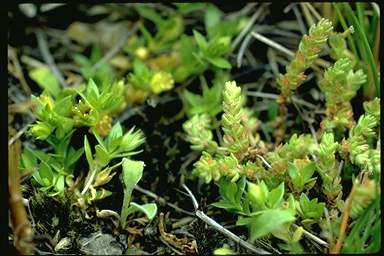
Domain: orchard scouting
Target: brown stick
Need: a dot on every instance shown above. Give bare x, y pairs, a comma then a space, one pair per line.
21, 227
344, 222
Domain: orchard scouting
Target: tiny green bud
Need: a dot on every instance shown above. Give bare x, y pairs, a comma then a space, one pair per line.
41, 130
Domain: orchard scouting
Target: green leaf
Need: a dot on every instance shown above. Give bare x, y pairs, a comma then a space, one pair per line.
365, 234
148, 209
257, 193
266, 222
59, 186
114, 133
227, 205
185, 8
364, 47
99, 139
132, 173
131, 140
46, 174
41, 130
212, 17
200, 40
102, 156
63, 107
310, 209
220, 62
149, 13
273, 110
240, 189
73, 156
28, 159
92, 92
44, 77
276, 196
308, 171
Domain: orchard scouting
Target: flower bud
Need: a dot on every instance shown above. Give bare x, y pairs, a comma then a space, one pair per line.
142, 53
161, 81
41, 130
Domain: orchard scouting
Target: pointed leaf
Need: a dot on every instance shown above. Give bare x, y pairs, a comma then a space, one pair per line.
220, 62
200, 40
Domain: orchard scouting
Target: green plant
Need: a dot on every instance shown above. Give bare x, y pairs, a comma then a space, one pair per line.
51, 170
364, 43
339, 86
59, 117
328, 168
104, 72
115, 145
309, 210
132, 173
148, 80
209, 102
172, 56
199, 133
60, 112
362, 151
280, 179
365, 236
308, 51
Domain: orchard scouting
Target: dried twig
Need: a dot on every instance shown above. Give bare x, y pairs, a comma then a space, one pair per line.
307, 15
113, 51
47, 56
21, 227
313, 237
275, 96
313, 10
286, 51
245, 30
264, 161
170, 247
272, 44
161, 200
344, 222
18, 134
299, 19
243, 12
242, 49
201, 215
17, 70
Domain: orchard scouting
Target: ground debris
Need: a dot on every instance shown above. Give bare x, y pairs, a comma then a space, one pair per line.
187, 246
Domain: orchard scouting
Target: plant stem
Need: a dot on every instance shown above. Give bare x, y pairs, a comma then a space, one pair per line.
344, 222
22, 230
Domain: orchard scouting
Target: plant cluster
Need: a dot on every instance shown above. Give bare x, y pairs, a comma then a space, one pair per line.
60, 114
301, 191
271, 188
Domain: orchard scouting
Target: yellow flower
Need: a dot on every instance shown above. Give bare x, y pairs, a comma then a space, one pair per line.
142, 53
161, 81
